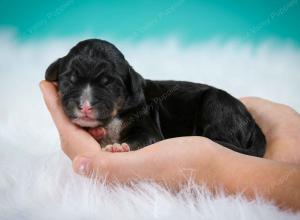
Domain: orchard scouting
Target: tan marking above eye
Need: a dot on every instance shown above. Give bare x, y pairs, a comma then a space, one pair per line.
73, 78
104, 80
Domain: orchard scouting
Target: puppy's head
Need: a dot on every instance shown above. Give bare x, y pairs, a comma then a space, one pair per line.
95, 83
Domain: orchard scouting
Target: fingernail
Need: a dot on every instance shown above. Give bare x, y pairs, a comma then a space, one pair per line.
82, 165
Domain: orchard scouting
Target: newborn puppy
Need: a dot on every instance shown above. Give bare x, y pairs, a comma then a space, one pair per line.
99, 88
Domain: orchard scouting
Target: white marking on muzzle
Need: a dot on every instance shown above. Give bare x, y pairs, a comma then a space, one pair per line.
86, 96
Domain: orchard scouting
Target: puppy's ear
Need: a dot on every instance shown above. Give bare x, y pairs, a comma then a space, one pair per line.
136, 81
52, 71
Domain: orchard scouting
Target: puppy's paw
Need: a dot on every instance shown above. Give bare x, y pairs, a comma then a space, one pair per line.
117, 148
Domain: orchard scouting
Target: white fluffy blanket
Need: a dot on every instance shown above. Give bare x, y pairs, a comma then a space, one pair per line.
36, 180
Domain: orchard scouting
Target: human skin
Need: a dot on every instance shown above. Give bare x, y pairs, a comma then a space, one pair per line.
173, 162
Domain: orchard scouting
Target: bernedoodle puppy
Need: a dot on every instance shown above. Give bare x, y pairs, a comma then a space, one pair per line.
99, 88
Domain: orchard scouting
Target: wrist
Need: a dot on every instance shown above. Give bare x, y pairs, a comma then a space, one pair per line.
206, 163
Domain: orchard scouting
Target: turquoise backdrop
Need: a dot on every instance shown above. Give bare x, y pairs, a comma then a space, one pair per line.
188, 20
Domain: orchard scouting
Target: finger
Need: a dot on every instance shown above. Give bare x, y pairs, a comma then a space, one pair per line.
123, 167
154, 162
254, 104
97, 133
281, 126
53, 103
106, 165
253, 100
135, 164
270, 115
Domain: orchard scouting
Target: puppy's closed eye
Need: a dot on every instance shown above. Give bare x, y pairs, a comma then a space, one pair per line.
104, 80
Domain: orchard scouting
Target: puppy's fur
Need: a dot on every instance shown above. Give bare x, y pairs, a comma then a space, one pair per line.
140, 111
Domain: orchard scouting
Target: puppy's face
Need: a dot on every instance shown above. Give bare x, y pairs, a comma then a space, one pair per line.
95, 82
92, 92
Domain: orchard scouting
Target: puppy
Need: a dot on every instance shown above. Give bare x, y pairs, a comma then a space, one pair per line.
99, 88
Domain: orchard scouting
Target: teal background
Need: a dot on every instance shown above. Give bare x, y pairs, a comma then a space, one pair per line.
188, 20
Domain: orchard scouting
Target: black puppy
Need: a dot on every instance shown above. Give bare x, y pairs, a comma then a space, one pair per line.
99, 88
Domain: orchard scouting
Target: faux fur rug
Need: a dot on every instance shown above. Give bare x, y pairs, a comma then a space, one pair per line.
36, 179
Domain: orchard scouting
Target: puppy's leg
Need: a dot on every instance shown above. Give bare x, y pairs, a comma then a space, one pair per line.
124, 147
141, 133
224, 119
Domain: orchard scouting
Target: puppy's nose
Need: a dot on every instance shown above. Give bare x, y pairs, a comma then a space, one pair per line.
86, 108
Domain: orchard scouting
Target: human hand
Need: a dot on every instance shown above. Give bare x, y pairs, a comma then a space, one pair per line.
173, 162
281, 126
74, 140
165, 161
148, 162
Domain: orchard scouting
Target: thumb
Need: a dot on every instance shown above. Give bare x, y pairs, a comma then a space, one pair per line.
122, 167
92, 165
81, 165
